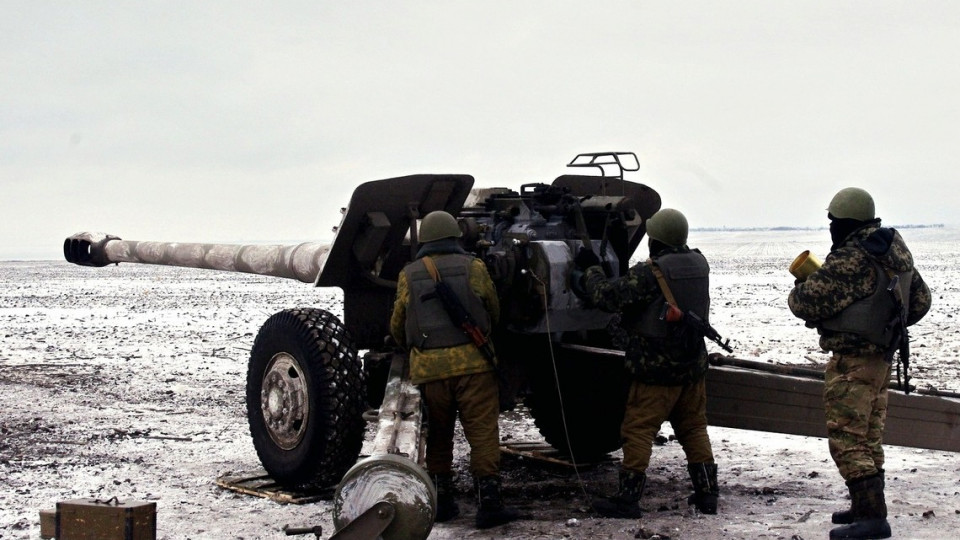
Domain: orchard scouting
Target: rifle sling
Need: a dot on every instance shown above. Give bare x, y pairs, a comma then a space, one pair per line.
431, 268
662, 281
435, 274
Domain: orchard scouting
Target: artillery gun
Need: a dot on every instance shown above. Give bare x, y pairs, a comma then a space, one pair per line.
308, 386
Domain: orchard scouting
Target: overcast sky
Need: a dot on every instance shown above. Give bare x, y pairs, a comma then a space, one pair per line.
235, 121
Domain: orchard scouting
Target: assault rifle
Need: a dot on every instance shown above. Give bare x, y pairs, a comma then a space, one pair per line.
462, 318
691, 320
897, 327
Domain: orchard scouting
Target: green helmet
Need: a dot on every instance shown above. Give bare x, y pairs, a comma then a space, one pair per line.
438, 225
852, 203
668, 226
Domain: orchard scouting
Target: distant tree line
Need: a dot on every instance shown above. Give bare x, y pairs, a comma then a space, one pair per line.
788, 228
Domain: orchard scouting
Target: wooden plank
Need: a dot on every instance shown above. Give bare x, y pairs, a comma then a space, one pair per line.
748, 399
259, 484
541, 451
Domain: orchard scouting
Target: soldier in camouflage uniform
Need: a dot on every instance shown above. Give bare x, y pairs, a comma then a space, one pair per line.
667, 362
453, 375
847, 301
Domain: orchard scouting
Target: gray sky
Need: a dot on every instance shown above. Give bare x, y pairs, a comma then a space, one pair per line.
235, 121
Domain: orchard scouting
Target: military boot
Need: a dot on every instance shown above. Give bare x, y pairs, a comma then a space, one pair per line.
869, 510
705, 488
626, 503
490, 509
845, 517
447, 508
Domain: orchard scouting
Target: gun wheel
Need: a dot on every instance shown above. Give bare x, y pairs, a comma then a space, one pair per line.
594, 392
305, 398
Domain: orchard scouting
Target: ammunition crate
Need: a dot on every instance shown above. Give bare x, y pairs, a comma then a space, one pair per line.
48, 524
93, 519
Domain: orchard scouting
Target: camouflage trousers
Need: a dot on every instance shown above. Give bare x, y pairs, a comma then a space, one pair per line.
475, 398
649, 406
855, 401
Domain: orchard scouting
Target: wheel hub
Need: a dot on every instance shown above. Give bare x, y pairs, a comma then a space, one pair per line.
284, 400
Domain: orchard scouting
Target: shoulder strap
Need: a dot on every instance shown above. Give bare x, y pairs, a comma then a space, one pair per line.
662, 281
431, 268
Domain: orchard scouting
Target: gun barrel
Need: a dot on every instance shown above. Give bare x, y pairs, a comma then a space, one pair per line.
302, 262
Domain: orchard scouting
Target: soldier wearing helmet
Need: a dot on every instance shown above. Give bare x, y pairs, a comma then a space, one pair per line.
849, 301
454, 376
668, 364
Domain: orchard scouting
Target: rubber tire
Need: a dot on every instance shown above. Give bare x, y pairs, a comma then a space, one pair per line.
335, 391
594, 397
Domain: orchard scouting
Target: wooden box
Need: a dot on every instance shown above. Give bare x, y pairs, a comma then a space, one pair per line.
48, 524
93, 519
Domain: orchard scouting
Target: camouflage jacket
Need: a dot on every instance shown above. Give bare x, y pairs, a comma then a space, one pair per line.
435, 364
663, 362
849, 274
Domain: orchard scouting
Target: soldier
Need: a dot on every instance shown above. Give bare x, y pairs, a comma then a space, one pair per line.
453, 375
847, 301
667, 362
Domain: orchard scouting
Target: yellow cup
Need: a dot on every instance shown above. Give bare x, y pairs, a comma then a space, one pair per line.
805, 264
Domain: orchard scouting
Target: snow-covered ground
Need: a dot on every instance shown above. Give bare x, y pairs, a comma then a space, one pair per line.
128, 381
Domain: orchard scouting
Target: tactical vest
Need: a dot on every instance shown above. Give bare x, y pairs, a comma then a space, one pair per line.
687, 276
869, 316
428, 324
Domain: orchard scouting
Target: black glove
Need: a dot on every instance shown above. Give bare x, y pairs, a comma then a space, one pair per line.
585, 259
